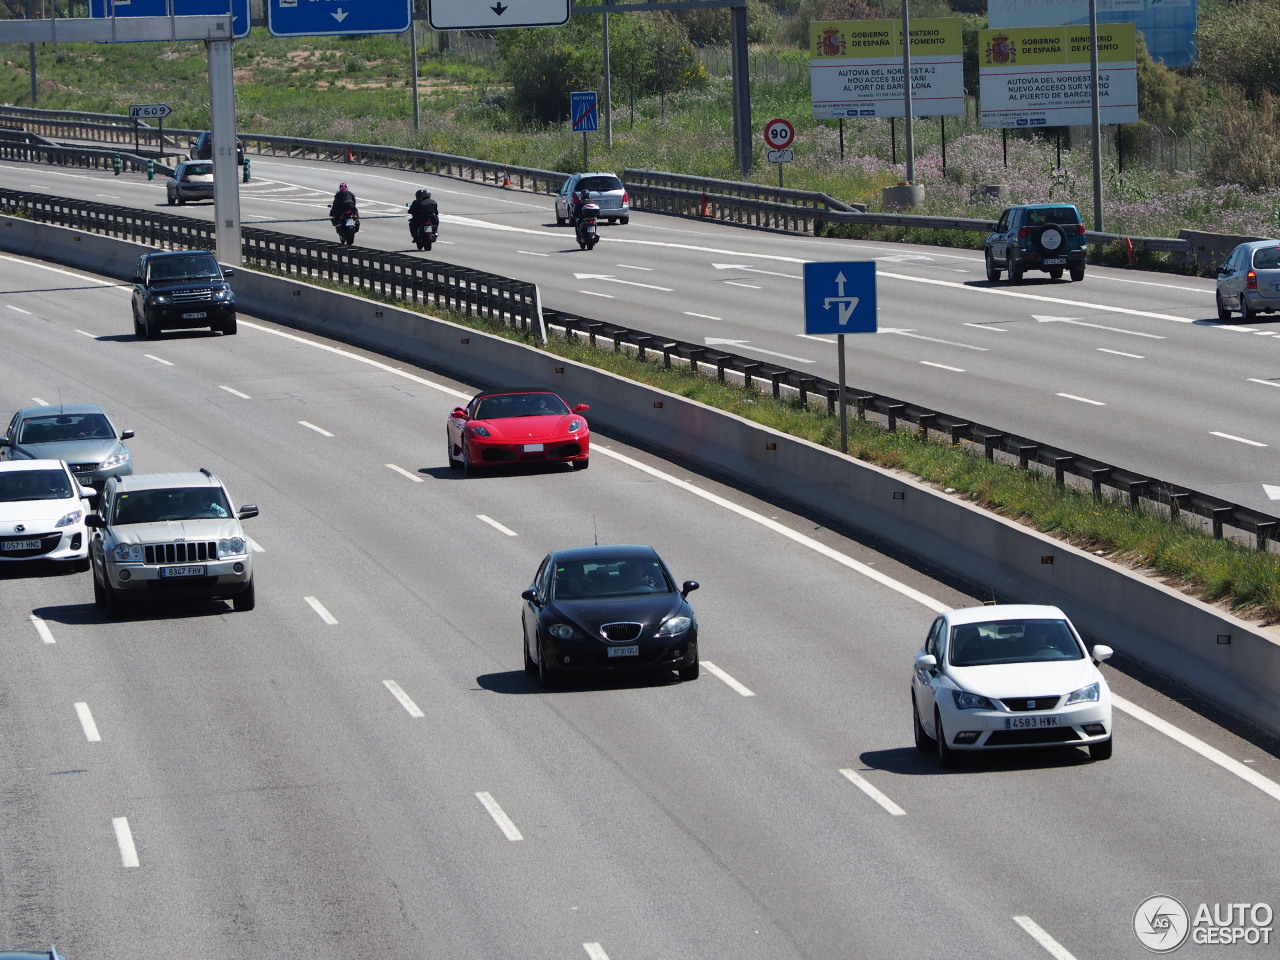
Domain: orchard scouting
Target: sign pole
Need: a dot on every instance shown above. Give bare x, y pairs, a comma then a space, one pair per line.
844, 409
780, 176
161, 123
585, 167
136, 148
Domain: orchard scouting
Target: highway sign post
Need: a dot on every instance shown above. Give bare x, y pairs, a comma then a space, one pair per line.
496, 14
583, 113
239, 10
840, 298
327, 18
778, 135
148, 111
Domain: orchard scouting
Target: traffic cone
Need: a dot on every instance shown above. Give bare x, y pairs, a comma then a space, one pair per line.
705, 212
506, 177
350, 158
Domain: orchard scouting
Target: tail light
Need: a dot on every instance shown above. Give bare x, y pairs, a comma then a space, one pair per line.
185, 180
1251, 280
625, 199
1022, 232
574, 196
1080, 229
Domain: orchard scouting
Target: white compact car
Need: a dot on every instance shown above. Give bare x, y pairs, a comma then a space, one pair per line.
1005, 677
42, 511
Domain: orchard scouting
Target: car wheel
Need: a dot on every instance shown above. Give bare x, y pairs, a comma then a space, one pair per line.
79, 566
624, 220
529, 666
946, 756
172, 201
582, 464
547, 678
99, 595
229, 327
182, 201
690, 672
245, 600
924, 742
1247, 313
467, 469
1055, 273
993, 272
560, 221
1101, 751
111, 603
1077, 274
1223, 313
152, 330
1015, 273
137, 324
454, 462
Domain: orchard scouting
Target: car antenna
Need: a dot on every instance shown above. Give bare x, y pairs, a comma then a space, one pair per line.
595, 533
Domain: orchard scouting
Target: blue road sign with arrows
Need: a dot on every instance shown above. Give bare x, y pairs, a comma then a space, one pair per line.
239, 10
316, 18
582, 108
840, 297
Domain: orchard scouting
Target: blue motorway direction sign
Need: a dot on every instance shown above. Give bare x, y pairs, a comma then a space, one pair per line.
582, 108
840, 297
239, 10
314, 18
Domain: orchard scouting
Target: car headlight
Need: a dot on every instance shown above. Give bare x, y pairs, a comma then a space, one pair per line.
674, 627
115, 460
231, 547
72, 517
561, 631
159, 298
128, 552
222, 295
575, 426
971, 701
478, 431
1090, 694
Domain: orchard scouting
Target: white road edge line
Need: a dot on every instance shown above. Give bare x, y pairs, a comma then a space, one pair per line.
593, 293
404, 473
234, 392
988, 326
853, 777
595, 951
318, 607
1265, 383
533, 253
86, 722
42, 628
1072, 396
405, 700
124, 840
1121, 353
86, 333
701, 316
1227, 436
810, 336
734, 685
311, 426
152, 356
942, 366
499, 816
18, 309
1055, 949
496, 525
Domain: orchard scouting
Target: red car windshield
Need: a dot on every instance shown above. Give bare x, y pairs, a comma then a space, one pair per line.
520, 405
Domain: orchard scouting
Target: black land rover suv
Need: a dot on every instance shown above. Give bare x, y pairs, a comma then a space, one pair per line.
181, 289
1041, 236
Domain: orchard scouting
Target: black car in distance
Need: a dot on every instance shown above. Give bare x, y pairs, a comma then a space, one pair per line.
182, 289
608, 608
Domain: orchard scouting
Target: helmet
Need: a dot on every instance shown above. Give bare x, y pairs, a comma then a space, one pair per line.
342, 186
423, 194
585, 194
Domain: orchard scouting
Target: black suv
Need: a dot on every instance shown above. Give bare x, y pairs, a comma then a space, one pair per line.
202, 147
181, 289
1040, 236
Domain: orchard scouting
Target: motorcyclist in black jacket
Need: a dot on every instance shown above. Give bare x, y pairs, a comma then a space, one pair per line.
423, 210
343, 201
583, 199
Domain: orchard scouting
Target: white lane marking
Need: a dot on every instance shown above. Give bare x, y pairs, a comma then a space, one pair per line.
769, 273
38, 402
843, 559
1227, 436
734, 685
105, 284
532, 253
404, 473
318, 607
1055, 949
1072, 396
920, 336
405, 700
86, 333
496, 525
112, 196
746, 345
631, 266
1075, 321
991, 327
611, 279
18, 309
42, 628
152, 356
942, 366
257, 547
595, 951
234, 392
700, 316
124, 840
1265, 383
1196, 745
735, 283
1234, 328
594, 293
499, 816
86, 722
873, 793
312, 426
1121, 353
810, 336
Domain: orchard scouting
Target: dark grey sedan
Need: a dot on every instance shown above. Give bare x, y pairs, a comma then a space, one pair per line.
79, 433
1249, 281
191, 180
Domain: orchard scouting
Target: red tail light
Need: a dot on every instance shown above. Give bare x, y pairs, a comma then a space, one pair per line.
1080, 229
1251, 280
186, 180
1022, 232
625, 201
574, 196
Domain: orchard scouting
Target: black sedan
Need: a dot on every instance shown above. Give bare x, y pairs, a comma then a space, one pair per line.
606, 608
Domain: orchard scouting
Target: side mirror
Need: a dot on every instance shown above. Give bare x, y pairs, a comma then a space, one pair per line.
126, 434
137, 278
5, 442
926, 662
87, 492
228, 273
581, 408
532, 596
94, 521
1101, 652
458, 413
248, 511
688, 587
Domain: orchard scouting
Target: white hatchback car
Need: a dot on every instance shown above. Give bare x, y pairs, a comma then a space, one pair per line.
42, 511
1009, 676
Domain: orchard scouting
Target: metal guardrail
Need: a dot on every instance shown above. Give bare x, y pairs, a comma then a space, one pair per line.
515, 303
30, 148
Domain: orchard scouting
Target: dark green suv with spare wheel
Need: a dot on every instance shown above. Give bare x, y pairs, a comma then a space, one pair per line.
1039, 236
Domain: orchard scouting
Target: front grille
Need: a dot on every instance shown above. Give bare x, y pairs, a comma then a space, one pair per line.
565, 450
83, 467
192, 296
1014, 738
184, 552
621, 632
48, 543
1022, 704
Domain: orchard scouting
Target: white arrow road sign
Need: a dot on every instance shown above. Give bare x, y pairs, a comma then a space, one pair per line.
920, 336
745, 269
743, 345
1095, 326
491, 14
629, 283
339, 15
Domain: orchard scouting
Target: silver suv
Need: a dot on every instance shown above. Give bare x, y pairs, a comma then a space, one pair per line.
169, 535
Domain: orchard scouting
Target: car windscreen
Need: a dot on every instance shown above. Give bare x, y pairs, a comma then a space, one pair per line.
1039, 216
1012, 641
63, 427
520, 405
177, 269
176, 503
630, 577
592, 184
1267, 258
199, 170
19, 485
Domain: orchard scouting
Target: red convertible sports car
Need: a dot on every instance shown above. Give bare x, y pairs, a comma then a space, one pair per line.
517, 426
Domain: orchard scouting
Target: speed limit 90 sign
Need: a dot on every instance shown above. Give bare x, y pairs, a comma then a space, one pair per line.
778, 134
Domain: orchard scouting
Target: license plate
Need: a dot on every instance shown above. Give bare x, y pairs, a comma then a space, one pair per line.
193, 571
20, 545
532, 448
1029, 723
1054, 261
195, 316
84, 479
624, 651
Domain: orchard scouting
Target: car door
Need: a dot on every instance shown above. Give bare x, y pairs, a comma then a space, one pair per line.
1230, 281
6, 452
924, 683
563, 205
139, 289
529, 614
1000, 237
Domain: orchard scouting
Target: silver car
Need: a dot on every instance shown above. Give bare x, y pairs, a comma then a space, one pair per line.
191, 180
605, 189
79, 433
1249, 280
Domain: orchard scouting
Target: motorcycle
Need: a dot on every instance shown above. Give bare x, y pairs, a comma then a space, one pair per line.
585, 226
348, 225
424, 234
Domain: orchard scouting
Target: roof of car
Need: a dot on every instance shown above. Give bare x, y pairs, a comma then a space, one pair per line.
603, 551
56, 408
1005, 611
167, 254
158, 481
50, 954
1258, 244
511, 391
15, 466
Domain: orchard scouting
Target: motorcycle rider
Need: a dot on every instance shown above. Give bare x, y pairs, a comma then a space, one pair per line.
343, 201
583, 199
423, 210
